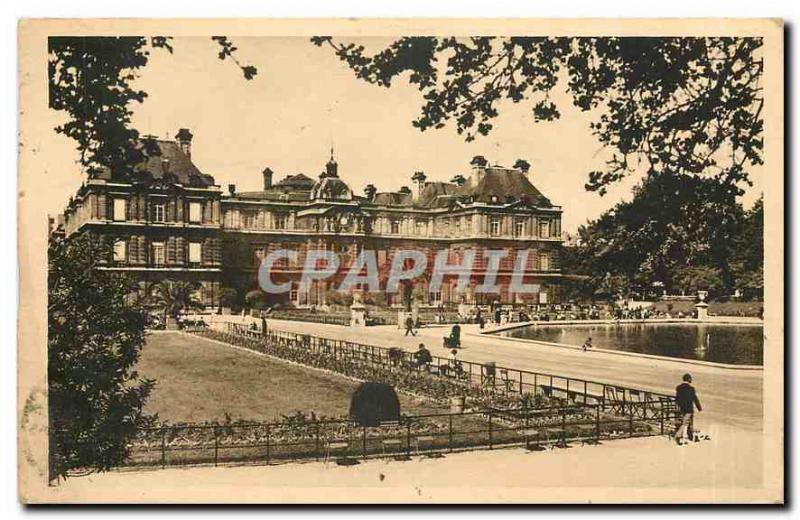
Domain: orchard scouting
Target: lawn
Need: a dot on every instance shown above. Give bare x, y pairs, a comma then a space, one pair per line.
199, 380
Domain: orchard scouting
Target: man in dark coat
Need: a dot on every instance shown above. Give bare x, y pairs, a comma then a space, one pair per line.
686, 398
410, 326
423, 356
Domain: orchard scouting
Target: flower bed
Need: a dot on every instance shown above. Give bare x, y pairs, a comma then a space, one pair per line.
403, 378
493, 416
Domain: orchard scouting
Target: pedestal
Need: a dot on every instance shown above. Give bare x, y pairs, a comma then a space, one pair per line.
358, 315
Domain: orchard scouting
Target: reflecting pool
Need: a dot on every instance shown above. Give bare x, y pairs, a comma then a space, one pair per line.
733, 344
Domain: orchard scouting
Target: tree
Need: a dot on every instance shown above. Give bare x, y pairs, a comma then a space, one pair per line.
175, 297
479, 161
692, 279
256, 299
90, 80
459, 180
522, 165
95, 336
228, 296
680, 104
672, 222
747, 263
370, 190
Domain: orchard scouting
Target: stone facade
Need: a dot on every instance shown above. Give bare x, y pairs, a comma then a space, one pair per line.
175, 223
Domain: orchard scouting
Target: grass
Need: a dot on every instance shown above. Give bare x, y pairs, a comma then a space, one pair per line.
198, 380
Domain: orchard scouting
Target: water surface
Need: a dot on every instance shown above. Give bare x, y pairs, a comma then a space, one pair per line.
733, 344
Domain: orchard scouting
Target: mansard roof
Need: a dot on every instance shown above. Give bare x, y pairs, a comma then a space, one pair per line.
490, 185
502, 183
299, 181
164, 159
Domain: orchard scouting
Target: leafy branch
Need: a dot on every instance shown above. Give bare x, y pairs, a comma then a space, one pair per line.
680, 105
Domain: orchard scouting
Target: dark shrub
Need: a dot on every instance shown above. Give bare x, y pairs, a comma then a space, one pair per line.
373, 403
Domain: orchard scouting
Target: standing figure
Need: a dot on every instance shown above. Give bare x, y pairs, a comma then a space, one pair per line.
686, 398
410, 326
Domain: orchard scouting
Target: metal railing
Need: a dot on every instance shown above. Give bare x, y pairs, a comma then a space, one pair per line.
492, 378
270, 443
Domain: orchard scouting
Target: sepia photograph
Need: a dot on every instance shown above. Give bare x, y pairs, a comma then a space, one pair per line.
401, 261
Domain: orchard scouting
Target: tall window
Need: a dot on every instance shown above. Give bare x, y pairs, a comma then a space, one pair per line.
157, 212
494, 226
157, 253
395, 227
120, 209
519, 227
544, 261
249, 219
544, 229
119, 251
280, 221
195, 212
194, 252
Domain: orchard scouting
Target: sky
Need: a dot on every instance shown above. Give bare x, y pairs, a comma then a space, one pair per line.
304, 101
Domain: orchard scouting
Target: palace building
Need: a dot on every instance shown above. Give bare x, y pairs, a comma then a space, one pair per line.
174, 222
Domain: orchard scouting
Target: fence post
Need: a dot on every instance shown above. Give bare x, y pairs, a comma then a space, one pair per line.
268, 446
316, 442
597, 420
408, 439
216, 446
630, 419
450, 435
163, 447
490, 429
585, 392
521, 391
364, 443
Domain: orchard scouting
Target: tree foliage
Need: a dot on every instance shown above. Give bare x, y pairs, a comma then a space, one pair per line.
174, 297
95, 336
682, 105
686, 232
92, 81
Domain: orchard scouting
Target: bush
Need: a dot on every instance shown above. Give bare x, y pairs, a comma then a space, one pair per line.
373, 403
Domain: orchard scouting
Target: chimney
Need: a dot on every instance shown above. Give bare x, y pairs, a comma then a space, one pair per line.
478, 173
184, 139
267, 173
232, 189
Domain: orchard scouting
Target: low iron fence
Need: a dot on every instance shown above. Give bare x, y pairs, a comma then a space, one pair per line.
489, 378
271, 443
562, 411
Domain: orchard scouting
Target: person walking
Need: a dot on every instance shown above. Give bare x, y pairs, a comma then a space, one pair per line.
686, 398
410, 326
587, 344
